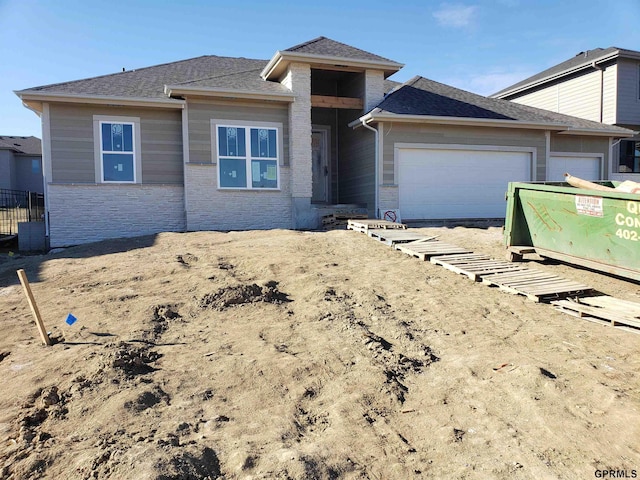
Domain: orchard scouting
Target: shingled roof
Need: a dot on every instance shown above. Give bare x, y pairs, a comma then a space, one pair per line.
149, 82
328, 47
581, 60
23, 145
421, 96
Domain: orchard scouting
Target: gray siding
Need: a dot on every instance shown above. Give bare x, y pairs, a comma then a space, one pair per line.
356, 171
201, 112
26, 177
72, 145
458, 135
7, 170
628, 107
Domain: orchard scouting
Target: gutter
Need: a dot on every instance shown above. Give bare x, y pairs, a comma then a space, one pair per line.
100, 99
170, 90
376, 165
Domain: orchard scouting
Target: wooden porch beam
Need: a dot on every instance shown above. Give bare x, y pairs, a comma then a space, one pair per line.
326, 101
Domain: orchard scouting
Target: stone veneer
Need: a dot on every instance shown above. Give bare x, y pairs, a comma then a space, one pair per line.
209, 208
373, 88
298, 80
89, 213
388, 197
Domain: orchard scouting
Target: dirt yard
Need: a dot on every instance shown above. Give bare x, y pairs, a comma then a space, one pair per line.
299, 355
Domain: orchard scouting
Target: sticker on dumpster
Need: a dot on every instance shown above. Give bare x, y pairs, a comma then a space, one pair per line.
591, 206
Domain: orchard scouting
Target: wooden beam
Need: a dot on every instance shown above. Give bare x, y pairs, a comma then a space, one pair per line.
34, 307
326, 101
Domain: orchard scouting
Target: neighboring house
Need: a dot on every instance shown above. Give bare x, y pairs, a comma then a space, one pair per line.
21, 163
602, 85
218, 143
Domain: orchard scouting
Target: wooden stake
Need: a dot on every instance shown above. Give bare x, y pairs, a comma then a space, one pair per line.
34, 308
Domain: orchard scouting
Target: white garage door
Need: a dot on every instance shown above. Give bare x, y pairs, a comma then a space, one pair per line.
437, 183
585, 167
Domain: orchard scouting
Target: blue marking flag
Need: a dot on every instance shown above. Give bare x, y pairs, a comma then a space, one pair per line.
71, 319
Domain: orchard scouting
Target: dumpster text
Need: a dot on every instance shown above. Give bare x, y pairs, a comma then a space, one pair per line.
630, 222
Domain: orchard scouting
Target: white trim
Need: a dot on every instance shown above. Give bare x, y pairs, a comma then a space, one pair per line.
547, 153
47, 169
597, 133
101, 100
445, 146
98, 120
228, 93
215, 123
599, 156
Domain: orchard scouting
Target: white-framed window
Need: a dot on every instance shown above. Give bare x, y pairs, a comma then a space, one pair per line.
117, 149
248, 157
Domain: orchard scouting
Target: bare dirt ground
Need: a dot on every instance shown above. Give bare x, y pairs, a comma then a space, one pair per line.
299, 355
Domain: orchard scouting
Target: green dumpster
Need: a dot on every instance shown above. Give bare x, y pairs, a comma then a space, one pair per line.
592, 228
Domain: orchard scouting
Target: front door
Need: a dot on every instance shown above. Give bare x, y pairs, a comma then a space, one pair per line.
320, 166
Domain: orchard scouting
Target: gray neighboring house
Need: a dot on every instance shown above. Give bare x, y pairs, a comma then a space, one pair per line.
219, 143
21, 163
603, 85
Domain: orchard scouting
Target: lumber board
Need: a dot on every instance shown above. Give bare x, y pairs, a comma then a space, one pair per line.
391, 237
425, 250
365, 225
582, 309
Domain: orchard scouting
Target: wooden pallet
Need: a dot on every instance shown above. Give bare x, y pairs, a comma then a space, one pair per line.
365, 225
474, 265
393, 237
535, 284
334, 220
603, 309
427, 249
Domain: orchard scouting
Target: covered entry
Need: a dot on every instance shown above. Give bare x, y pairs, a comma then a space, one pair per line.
458, 182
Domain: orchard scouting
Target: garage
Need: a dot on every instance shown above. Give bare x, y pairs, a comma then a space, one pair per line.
458, 183
585, 166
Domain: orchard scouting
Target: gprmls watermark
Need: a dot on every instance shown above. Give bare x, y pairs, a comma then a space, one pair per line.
613, 473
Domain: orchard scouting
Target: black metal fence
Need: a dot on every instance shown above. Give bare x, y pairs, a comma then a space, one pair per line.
19, 206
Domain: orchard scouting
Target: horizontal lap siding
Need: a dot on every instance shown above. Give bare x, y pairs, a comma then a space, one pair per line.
356, 172
457, 135
628, 92
72, 150
201, 113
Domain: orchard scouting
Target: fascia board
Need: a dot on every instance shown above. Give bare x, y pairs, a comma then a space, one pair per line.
284, 57
465, 121
555, 76
99, 99
228, 93
599, 133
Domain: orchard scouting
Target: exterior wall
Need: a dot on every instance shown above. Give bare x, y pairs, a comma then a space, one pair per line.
7, 170
578, 96
201, 111
89, 213
26, 178
72, 143
357, 163
459, 135
388, 197
583, 144
212, 209
628, 92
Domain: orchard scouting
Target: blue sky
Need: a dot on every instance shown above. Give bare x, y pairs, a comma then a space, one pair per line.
481, 46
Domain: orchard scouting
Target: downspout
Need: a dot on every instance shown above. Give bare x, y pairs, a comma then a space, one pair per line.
376, 186
597, 67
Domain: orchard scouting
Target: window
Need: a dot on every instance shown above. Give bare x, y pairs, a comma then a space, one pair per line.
247, 157
629, 157
35, 166
117, 152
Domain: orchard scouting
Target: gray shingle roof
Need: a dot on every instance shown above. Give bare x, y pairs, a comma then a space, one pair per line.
326, 46
24, 145
249, 80
149, 82
421, 96
583, 58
